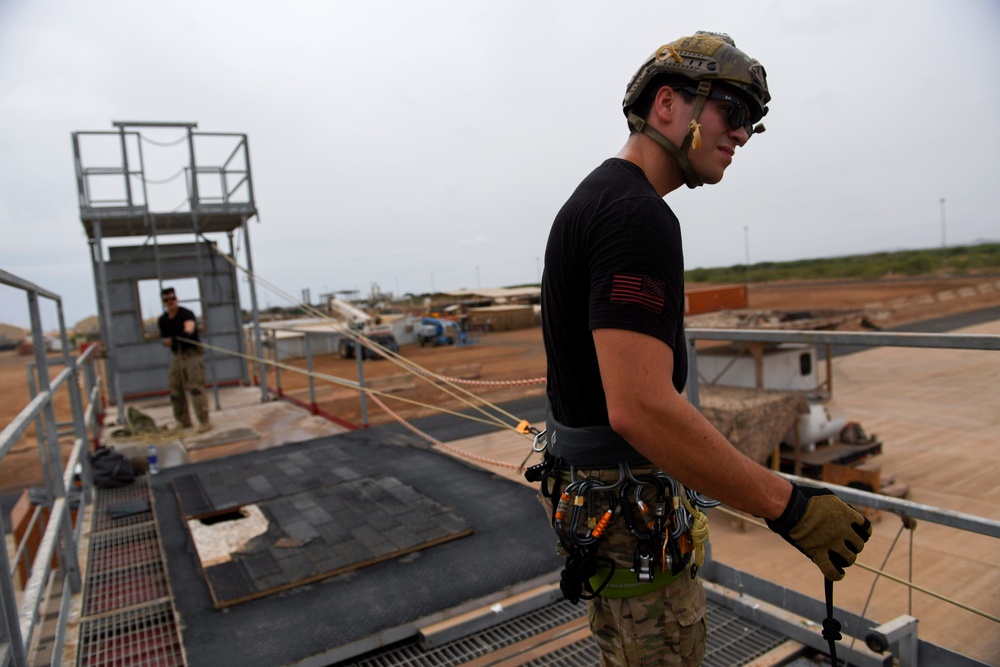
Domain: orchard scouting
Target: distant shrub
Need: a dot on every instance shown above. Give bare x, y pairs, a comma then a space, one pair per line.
958, 259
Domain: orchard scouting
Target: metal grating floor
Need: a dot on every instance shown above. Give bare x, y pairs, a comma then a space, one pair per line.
103, 498
124, 587
128, 618
732, 641
410, 654
125, 547
139, 637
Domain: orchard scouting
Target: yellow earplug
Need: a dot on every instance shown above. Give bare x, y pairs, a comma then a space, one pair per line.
695, 129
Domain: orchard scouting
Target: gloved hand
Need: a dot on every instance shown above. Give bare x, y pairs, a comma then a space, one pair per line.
823, 527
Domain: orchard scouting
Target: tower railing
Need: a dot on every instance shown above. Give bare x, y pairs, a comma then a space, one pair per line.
61, 536
892, 642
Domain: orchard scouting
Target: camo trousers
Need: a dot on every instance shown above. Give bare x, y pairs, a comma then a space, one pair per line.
187, 376
662, 628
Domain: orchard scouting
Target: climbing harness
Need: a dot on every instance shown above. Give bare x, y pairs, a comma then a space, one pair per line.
661, 517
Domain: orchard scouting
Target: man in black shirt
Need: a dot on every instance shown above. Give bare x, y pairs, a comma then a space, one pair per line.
612, 315
179, 331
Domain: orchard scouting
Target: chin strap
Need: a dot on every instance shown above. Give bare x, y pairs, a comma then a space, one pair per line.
692, 140
831, 626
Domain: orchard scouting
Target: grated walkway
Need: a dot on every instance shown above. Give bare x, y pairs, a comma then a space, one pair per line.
128, 618
732, 641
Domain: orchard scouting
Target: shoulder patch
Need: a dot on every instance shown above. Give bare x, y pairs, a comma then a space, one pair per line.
640, 290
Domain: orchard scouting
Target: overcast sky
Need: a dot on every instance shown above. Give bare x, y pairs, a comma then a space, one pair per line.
422, 145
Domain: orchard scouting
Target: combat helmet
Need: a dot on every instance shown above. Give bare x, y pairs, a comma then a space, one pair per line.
716, 69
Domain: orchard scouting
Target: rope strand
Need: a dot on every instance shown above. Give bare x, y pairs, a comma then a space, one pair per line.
882, 573
449, 388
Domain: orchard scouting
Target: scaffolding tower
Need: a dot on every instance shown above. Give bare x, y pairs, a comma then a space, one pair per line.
210, 177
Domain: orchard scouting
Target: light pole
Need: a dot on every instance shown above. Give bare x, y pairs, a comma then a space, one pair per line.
746, 250
944, 244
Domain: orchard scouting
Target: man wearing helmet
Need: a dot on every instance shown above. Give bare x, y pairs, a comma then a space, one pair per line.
612, 312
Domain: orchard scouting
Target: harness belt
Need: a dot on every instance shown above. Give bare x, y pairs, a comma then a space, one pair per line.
589, 446
624, 585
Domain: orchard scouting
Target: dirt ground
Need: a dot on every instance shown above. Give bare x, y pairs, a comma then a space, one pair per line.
513, 356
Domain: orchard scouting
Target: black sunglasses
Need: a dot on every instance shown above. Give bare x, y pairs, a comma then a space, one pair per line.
737, 114
169, 298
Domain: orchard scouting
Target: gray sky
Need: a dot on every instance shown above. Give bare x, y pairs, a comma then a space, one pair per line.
395, 141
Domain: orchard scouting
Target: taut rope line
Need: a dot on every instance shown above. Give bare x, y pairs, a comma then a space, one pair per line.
350, 385
399, 360
881, 573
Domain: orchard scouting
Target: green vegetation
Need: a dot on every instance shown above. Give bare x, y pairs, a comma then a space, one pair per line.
960, 260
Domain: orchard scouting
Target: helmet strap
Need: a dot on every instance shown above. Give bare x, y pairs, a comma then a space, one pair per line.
679, 154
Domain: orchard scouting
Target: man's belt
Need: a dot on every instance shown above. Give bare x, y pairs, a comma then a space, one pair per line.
589, 446
623, 582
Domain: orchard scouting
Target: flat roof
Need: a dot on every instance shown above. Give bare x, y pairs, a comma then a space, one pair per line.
511, 545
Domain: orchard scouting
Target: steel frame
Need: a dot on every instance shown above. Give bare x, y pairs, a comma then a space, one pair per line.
130, 215
61, 537
785, 607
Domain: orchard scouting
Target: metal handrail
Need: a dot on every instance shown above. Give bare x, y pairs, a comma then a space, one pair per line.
901, 632
60, 538
828, 338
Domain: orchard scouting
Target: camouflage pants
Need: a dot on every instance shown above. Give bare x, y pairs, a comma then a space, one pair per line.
187, 376
665, 627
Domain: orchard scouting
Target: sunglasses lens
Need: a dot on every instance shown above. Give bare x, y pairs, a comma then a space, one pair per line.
738, 116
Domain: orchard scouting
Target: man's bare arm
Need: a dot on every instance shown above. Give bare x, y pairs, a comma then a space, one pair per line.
645, 409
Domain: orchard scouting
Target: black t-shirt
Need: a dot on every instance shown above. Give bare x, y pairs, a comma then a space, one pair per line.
613, 261
173, 327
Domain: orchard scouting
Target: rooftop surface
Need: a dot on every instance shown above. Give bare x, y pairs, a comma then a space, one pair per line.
933, 408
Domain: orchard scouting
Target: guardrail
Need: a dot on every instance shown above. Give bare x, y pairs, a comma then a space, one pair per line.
61, 537
895, 642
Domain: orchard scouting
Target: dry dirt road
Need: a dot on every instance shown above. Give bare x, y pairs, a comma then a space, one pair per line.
518, 356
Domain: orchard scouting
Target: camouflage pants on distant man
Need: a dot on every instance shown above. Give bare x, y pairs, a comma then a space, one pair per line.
187, 377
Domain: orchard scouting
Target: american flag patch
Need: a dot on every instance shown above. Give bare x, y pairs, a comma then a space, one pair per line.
640, 290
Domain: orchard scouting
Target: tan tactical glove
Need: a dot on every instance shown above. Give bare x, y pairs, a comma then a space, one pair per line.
823, 527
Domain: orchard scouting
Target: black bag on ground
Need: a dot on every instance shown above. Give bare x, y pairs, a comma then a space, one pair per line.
110, 468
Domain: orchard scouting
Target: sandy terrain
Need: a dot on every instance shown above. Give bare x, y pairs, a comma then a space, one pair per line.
518, 355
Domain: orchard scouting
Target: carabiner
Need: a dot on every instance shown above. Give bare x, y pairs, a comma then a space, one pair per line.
534, 443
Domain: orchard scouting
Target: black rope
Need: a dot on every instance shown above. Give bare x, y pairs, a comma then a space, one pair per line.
831, 626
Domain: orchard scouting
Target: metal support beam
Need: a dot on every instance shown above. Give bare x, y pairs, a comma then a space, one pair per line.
804, 629
107, 333
11, 643
255, 312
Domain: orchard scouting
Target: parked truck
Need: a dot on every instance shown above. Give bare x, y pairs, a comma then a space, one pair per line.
360, 322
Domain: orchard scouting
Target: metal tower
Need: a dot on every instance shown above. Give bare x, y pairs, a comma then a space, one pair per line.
212, 181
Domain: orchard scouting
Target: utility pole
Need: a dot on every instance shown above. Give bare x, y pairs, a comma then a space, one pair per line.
746, 250
944, 243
